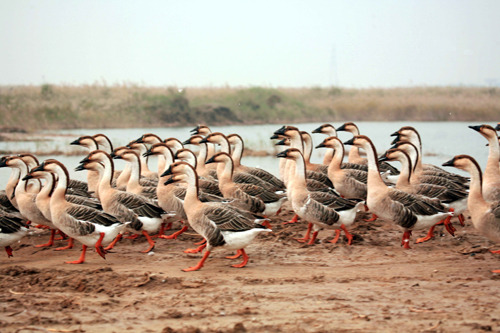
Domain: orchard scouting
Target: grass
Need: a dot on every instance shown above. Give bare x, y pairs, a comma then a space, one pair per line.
125, 106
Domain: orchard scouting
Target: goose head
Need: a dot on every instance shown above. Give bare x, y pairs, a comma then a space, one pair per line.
331, 142
194, 140
30, 160
98, 156
464, 162
128, 155
407, 133
220, 158
159, 148
174, 144
87, 142
216, 138
93, 166
149, 138
327, 129
485, 130
288, 131
349, 127
234, 139
104, 143
291, 154
186, 155
14, 162
182, 171
284, 142
201, 129
53, 166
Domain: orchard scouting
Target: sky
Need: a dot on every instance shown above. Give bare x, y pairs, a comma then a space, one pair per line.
352, 43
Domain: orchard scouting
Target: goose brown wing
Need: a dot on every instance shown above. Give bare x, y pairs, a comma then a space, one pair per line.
209, 186
417, 205
320, 212
10, 224
384, 167
262, 194
347, 165
267, 177
246, 178
77, 184
148, 182
253, 204
87, 214
436, 180
77, 200
149, 192
226, 218
495, 209
320, 177
140, 205
332, 201
5, 203
359, 175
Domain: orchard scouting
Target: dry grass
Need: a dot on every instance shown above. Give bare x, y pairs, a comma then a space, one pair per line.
122, 106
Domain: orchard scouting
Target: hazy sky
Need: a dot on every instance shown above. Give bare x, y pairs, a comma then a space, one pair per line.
241, 43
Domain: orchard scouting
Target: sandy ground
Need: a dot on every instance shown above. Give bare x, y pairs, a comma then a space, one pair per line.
444, 285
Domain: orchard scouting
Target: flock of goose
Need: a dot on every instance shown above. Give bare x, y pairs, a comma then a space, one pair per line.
229, 204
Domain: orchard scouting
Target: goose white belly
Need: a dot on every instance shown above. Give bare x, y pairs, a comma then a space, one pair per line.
150, 225
348, 216
110, 234
273, 207
8, 239
459, 206
240, 240
427, 221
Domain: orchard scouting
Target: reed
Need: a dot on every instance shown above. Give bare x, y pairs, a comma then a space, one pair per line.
130, 105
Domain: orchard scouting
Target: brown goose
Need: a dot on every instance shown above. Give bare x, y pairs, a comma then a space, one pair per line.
140, 149
201, 169
220, 224
329, 130
91, 144
204, 131
406, 210
12, 229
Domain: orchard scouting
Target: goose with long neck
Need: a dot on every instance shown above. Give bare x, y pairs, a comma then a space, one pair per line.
201, 168
31, 161
321, 210
239, 147
329, 131
12, 229
91, 144
246, 196
27, 200
491, 176
89, 226
206, 185
485, 215
406, 210
349, 183
284, 141
174, 144
408, 133
238, 176
133, 184
144, 215
140, 149
10, 188
308, 150
204, 131
151, 139
220, 224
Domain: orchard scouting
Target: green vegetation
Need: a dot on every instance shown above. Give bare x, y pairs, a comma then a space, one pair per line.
121, 106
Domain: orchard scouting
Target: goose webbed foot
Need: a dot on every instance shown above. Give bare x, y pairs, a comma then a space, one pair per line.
175, 234
113, 243
8, 249
495, 252
313, 238
200, 263
67, 247
197, 250
461, 219
497, 271
51, 240
150, 241
405, 243
41, 226
307, 235
131, 236
347, 234
82, 257
266, 224
245, 259
295, 219
373, 218
98, 246
429, 236
163, 228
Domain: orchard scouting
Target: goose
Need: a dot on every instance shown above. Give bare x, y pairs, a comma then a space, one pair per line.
321, 210
204, 131
133, 184
349, 183
151, 139
355, 157
408, 133
404, 209
12, 229
121, 182
239, 177
91, 144
432, 191
485, 215
308, 150
26, 200
246, 196
143, 214
491, 176
89, 226
220, 224
140, 149
239, 148
6, 206
206, 185
284, 141
201, 169
329, 130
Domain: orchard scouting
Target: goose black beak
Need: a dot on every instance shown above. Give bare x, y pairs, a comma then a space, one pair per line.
25, 178
204, 140
275, 136
187, 142
318, 130
497, 127
168, 172
176, 156
350, 142
85, 160
195, 130
139, 140
393, 134
147, 153
76, 142
117, 157
281, 131
3, 163
282, 154
169, 181
450, 162
280, 143
382, 158
476, 128
80, 168
40, 167
321, 145
341, 128
396, 140
211, 160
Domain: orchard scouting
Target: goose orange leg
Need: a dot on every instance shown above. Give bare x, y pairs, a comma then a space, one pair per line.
278, 212
373, 218
198, 249
163, 228
8, 249
496, 271
51, 240
266, 223
98, 246
495, 252
63, 236
175, 234
336, 238
347, 234
406, 240
131, 237
245, 259
313, 238
150, 241
461, 219
113, 243
82, 257
67, 247
430, 234
199, 265
447, 224
295, 219
306, 237
237, 255
201, 242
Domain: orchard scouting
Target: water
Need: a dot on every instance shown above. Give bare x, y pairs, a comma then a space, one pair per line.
441, 141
